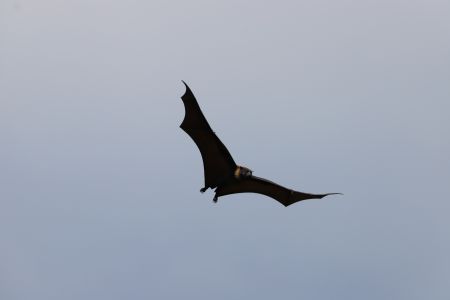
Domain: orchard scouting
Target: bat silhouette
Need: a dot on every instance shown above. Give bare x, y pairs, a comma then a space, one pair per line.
221, 172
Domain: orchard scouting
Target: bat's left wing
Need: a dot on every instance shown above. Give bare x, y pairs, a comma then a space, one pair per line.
263, 186
218, 164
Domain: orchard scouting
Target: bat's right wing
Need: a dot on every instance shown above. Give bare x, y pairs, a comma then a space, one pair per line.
217, 161
259, 185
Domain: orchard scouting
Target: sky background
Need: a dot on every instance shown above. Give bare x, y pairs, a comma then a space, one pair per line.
99, 187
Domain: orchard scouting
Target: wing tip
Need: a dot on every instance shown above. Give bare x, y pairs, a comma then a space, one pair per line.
329, 194
188, 90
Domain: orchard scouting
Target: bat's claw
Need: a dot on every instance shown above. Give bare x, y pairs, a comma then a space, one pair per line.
215, 199
202, 190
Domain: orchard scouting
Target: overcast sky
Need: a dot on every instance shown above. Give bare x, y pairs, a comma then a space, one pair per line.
99, 187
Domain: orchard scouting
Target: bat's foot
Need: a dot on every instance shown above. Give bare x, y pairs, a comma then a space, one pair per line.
215, 199
202, 190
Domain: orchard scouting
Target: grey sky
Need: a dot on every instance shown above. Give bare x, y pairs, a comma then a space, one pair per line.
99, 188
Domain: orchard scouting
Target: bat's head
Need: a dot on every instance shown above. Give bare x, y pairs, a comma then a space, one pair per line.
242, 172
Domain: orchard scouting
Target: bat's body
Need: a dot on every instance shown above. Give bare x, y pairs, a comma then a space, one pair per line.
221, 172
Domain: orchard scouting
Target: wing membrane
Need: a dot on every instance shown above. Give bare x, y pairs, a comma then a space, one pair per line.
263, 186
218, 163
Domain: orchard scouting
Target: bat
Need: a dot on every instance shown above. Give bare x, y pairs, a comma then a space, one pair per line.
220, 171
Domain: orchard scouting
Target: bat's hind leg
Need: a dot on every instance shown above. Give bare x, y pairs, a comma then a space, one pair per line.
202, 190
